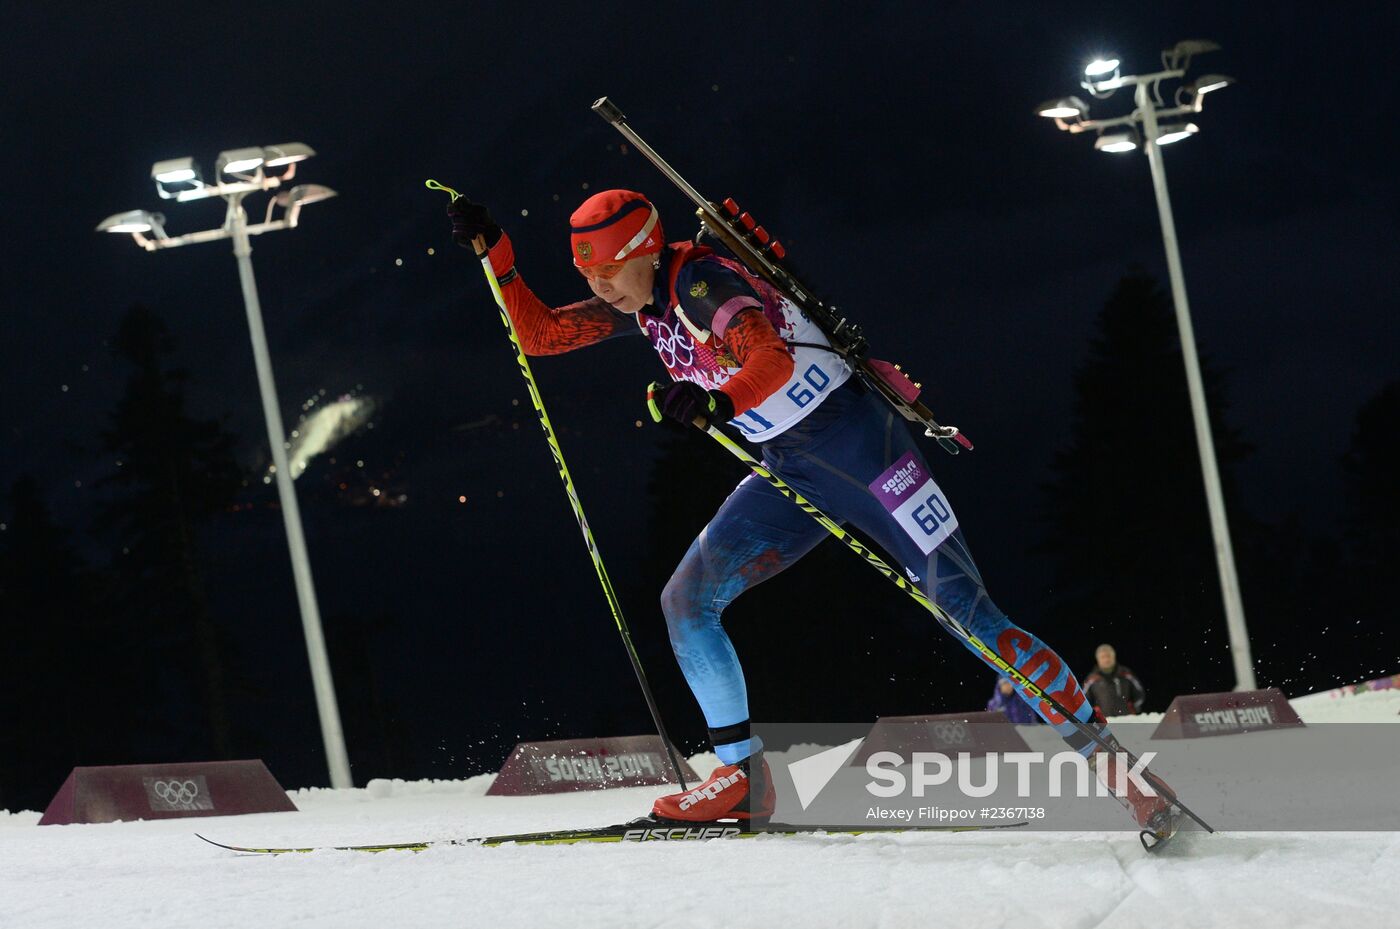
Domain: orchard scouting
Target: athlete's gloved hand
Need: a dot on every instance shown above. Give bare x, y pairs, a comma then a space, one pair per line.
469, 220
684, 401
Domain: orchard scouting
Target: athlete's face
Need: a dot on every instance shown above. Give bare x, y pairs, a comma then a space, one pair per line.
1107, 657
629, 289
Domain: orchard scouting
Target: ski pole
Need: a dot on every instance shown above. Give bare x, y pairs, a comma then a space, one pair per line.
944, 619
479, 245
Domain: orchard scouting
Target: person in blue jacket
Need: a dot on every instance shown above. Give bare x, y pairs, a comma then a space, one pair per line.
1006, 700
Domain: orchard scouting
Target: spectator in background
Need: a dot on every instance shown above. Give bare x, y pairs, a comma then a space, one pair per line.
1112, 687
1005, 699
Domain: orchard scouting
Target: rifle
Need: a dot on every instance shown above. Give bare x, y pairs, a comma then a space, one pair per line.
765, 256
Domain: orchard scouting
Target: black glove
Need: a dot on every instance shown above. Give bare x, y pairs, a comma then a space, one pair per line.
684, 401
470, 220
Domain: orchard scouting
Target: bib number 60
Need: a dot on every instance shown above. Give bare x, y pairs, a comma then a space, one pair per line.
931, 514
816, 379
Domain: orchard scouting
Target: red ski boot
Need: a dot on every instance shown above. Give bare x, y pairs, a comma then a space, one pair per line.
742, 791
1153, 814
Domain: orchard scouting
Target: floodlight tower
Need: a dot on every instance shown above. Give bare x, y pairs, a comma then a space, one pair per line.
237, 174
1143, 127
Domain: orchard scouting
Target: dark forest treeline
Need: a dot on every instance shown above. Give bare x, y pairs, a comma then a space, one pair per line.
1129, 535
140, 656
126, 660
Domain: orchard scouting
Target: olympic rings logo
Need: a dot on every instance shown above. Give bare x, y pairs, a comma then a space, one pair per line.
950, 733
176, 793
673, 345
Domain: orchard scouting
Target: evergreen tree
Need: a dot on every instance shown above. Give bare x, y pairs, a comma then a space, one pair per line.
376, 730
174, 474
48, 721
1372, 465
1129, 532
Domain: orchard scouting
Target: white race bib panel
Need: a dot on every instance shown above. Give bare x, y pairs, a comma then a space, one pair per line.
915, 502
817, 371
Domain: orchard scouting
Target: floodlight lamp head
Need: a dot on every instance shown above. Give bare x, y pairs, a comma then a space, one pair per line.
1179, 56
1204, 85
286, 153
1102, 68
1190, 47
1116, 142
239, 161
1063, 108
299, 196
137, 223
1175, 132
175, 176
174, 170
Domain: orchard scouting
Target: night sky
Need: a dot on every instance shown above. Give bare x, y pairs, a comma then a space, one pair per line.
893, 147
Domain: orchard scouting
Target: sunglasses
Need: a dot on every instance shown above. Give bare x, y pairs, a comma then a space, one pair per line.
603, 272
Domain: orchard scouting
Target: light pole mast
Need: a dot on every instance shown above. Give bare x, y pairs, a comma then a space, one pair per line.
1102, 78
1200, 414
327, 708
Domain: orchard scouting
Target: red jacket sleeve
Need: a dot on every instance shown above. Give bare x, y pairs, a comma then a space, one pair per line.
545, 330
764, 362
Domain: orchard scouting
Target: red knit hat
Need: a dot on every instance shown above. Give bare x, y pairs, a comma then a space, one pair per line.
613, 226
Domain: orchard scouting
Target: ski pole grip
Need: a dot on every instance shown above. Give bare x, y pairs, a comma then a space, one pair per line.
609, 111
479, 245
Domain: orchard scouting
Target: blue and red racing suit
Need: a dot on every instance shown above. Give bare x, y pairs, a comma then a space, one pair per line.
836, 443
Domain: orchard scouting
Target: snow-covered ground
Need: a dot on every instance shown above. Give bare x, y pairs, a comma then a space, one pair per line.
150, 875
